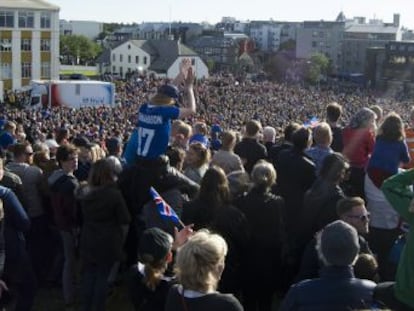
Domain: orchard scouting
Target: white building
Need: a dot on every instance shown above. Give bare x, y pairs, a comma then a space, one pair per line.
29, 42
161, 57
89, 29
266, 35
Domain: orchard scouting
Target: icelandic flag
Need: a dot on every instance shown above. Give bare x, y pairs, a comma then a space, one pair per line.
312, 122
163, 208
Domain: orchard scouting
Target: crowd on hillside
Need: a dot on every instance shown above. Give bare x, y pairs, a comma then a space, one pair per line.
218, 194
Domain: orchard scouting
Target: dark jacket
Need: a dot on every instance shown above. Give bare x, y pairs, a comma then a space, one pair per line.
62, 197
143, 298
319, 208
231, 224
250, 151
16, 222
336, 289
265, 217
104, 212
295, 176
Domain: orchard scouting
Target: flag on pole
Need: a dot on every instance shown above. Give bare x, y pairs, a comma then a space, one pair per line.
166, 211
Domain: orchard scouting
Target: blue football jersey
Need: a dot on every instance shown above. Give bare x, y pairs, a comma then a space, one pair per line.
154, 128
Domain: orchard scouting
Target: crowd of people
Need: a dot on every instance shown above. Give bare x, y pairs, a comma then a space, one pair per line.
213, 194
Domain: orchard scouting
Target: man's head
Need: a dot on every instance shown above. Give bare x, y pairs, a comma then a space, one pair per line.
167, 94
322, 134
253, 128
114, 146
352, 210
338, 244
228, 140
269, 134
333, 112
67, 157
302, 138
289, 130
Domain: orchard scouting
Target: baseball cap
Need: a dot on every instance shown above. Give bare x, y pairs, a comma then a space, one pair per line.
82, 141
167, 94
154, 245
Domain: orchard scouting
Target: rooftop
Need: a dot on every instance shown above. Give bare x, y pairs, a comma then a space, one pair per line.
371, 28
28, 4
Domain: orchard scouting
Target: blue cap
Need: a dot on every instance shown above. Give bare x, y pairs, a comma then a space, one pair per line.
216, 128
170, 91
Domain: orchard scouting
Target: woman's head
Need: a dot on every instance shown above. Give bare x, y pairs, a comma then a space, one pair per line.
263, 174
214, 186
154, 251
101, 173
197, 155
200, 261
392, 128
364, 118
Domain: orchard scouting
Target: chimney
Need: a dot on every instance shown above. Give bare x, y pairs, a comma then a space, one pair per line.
396, 20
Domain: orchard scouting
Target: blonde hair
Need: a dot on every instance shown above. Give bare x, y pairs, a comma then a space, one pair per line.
322, 134
263, 174
200, 261
228, 140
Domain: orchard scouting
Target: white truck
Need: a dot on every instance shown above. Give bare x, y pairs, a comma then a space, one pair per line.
72, 93
1, 92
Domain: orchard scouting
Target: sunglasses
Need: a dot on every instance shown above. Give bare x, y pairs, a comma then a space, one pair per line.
363, 217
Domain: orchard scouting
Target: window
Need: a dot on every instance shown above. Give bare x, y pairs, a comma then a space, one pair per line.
145, 60
26, 70
5, 45
120, 57
113, 69
113, 57
193, 61
129, 59
129, 46
136, 59
45, 18
26, 19
45, 70
26, 45
45, 45
6, 19
5, 71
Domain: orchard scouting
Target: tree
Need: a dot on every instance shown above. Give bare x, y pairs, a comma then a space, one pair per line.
277, 65
321, 61
316, 68
288, 45
76, 49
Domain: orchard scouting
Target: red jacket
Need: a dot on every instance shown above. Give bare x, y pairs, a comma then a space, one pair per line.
358, 146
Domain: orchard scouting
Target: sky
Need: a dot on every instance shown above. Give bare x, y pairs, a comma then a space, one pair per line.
128, 11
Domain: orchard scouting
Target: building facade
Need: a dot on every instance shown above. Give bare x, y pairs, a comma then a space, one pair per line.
360, 36
161, 57
267, 36
321, 37
29, 42
89, 29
